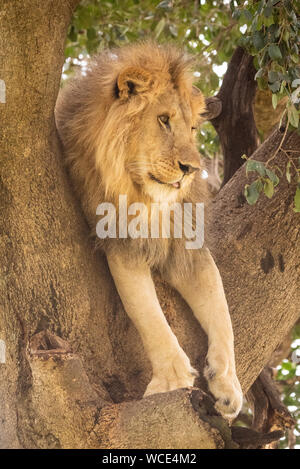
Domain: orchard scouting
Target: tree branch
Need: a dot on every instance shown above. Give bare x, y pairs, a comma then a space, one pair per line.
269, 412
235, 123
179, 419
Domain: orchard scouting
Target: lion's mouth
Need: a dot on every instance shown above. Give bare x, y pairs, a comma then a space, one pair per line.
176, 184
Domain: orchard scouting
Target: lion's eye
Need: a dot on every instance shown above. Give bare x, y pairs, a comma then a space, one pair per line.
194, 128
164, 119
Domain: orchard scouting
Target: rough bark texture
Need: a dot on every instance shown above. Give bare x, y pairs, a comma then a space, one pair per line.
152, 423
49, 275
269, 412
235, 124
261, 243
78, 375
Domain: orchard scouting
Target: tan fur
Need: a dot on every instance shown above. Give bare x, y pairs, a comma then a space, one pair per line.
115, 143
109, 152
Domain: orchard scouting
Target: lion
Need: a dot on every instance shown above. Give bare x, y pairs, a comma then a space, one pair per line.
128, 126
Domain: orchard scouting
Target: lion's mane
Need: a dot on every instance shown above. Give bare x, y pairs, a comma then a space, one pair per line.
94, 123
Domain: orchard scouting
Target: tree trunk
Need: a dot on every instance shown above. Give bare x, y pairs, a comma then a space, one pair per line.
73, 358
235, 124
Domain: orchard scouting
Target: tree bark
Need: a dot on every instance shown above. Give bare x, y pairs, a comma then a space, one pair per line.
235, 124
73, 357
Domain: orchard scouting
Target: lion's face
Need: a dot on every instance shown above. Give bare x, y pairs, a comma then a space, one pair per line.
165, 159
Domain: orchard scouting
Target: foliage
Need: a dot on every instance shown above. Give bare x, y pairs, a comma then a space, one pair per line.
200, 29
268, 179
273, 38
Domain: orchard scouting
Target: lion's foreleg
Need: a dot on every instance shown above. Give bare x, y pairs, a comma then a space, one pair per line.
205, 295
171, 367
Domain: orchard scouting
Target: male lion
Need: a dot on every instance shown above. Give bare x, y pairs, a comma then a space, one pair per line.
128, 127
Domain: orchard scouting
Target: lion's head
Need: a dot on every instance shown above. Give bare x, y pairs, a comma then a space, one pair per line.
128, 126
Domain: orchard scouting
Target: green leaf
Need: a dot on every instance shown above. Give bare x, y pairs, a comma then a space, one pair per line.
288, 172
286, 36
258, 166
295, 58
214, 80
273, 76
91, 33
295, 83
165, 4
258, 40
293, 115
262, 83
274, 52
295, 95
248, 15
274, 100
282, 86
274, 87
70, 52
268, 11
264, 58
295, 49
260, 23
260, 6
272, 176
268, 188
268, 21
159, 27
173, 30
252, 192
236, 14
297, 200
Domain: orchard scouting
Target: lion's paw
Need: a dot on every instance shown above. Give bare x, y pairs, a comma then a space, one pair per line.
227, 391
174, 375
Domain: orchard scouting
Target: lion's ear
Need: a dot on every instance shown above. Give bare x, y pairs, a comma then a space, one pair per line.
133, 80
197, 103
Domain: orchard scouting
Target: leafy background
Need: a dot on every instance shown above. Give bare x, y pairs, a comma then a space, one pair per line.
211, 30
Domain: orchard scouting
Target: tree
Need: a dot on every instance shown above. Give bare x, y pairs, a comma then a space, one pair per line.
75, 368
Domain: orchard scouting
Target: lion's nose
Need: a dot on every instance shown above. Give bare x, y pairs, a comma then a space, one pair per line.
187, 168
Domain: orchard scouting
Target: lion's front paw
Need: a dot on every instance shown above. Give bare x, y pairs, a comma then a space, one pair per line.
176, 374
226, 389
